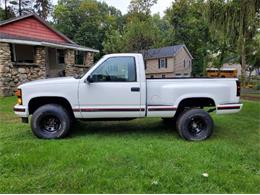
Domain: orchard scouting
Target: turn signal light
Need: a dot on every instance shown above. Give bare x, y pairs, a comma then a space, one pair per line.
19, 101
18, 93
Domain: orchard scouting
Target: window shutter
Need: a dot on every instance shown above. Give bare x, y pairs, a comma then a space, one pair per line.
159, 63
166, 62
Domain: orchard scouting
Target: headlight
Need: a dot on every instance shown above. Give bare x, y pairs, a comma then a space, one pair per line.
18, 93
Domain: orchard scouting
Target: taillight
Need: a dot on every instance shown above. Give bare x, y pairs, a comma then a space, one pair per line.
18, 93
238, 88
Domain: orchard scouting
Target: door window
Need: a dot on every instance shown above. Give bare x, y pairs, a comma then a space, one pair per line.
116, 69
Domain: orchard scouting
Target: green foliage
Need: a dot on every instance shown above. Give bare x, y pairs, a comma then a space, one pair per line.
6, 11
253, 51
140, 156
2, 14
215, 31
237, 22
141, 30
86, 21
141, 6
134, 38
141, 35
114, 42
190, 27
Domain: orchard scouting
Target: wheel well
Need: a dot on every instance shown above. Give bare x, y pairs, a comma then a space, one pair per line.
195, 102
37, 102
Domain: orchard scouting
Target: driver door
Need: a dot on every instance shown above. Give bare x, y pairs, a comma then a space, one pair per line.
113, 90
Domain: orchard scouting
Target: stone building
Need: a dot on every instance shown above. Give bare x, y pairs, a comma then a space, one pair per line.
31, 49
172, 61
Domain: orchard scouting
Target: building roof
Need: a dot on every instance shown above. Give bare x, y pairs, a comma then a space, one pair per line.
37, 42
12, 37
164, 52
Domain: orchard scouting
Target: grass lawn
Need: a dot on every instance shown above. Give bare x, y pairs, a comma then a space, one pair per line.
140, 156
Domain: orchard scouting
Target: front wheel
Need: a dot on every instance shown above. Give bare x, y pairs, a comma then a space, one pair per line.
50, 121
195, 125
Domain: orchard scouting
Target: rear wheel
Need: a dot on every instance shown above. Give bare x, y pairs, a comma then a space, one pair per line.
195, 125
50, 121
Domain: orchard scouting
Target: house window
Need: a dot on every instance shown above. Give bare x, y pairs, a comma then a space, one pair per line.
60, 56
152, 76
79, 57
178, 74
163, 63
184, 63
163, 76
22, 53
145, 64
189, 64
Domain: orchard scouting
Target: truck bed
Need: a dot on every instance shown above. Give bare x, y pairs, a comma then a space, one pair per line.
171, 91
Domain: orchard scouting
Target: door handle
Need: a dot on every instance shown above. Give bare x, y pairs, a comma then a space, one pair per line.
135, 89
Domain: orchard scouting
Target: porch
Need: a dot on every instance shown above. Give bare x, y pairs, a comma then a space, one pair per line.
20, 62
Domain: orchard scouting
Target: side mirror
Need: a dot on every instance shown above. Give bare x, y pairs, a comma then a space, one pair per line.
90, 79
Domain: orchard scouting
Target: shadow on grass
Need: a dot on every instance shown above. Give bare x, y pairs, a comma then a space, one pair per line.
137, 126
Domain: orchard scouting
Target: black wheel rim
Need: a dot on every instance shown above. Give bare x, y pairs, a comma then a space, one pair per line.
197, 126
50, 124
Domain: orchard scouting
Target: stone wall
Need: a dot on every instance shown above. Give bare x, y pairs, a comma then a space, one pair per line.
6, 82
72, 69
14, 74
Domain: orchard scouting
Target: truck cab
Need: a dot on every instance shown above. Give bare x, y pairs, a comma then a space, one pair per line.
114, 87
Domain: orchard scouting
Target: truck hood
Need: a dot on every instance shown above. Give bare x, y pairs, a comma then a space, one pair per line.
51, 81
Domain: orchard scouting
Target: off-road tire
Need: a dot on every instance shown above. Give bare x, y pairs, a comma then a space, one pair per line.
195, 125
50, 121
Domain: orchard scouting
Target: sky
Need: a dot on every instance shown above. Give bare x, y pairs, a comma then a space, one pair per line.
122, 5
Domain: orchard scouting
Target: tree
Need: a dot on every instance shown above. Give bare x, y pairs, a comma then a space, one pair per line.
13, 8
6, 12
189, 26
86, 21
140, 32
2, 14
253, 55
114, 42
138, 37
42, 8
22, 7
141, 6
236, 20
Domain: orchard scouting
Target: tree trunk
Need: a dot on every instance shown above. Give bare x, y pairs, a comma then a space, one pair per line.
243, 61
5, 9
249, 76
20, 7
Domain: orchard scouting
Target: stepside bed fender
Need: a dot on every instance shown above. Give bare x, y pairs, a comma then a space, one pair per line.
196, 100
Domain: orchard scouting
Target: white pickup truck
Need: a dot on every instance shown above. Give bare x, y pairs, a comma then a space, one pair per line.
116, 89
